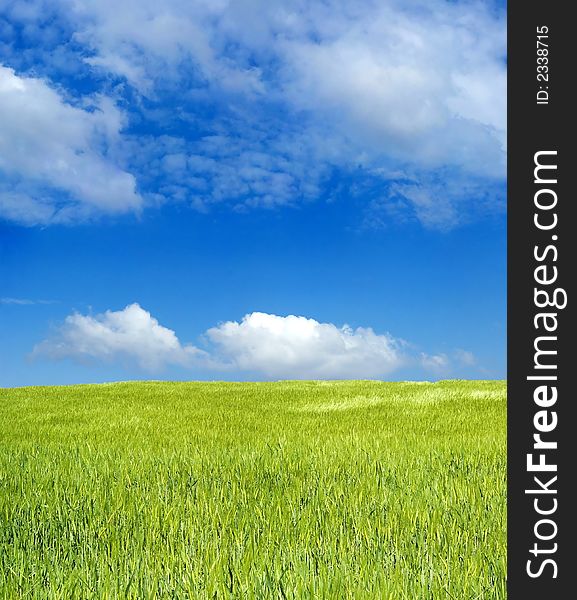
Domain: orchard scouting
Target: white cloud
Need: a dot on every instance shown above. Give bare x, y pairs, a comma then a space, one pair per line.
408, 80
269, 345
297, 347
422, 82
54, 157
144, 41
403, 85
130, 334
260, 345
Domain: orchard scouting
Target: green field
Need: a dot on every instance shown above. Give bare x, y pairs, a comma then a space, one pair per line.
254, 490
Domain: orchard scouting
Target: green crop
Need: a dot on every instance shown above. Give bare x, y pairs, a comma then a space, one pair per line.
338, 490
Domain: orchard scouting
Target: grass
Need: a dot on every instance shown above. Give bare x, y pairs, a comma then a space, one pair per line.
344, 490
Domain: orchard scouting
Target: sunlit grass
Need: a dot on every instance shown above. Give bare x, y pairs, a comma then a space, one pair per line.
254, 490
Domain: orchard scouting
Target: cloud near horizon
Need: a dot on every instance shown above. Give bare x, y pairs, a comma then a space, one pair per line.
128, 335
295, 347
290, 347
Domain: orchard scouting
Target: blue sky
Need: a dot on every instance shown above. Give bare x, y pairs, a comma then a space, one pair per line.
215, 190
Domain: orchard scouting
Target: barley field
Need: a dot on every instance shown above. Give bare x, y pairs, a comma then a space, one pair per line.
329, 490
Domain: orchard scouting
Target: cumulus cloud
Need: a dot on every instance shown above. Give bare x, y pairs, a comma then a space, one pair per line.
260, 344
54, 157
297, 347
131, 334
264, 344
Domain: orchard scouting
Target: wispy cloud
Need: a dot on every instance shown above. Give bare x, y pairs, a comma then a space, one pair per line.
443, 364
465, 357
438, 364
25, 301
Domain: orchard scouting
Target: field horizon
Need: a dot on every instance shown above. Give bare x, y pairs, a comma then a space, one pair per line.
256, 381
288, 489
